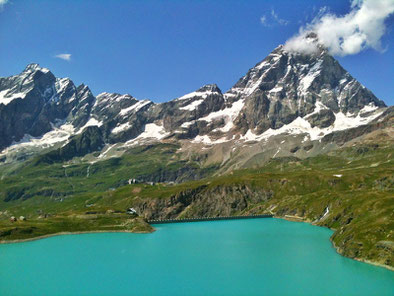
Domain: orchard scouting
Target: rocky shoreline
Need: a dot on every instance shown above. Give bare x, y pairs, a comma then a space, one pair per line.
340, 252
338, 249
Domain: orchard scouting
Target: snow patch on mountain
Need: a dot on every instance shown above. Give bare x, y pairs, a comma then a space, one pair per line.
152, 130
343, 122
301, 126
368, 108
192, 106
262, 65
188, 123
276, 153
319, 106
205, 139
250, 136
121, 127
229, 114
136, 107
226, 128
57, 135
203, 94
7, 97
276, 89
105, 151
307, 80
91, 122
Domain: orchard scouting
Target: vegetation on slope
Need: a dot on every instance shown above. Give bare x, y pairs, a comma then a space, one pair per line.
59, 181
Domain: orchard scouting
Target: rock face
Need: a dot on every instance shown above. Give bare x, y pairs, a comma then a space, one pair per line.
90, 140
286, 93
200, 202
34, 102
287, 86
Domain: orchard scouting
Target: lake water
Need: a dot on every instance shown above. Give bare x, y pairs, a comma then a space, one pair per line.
235, 257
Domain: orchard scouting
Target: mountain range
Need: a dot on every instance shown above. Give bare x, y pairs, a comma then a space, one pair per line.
307, 96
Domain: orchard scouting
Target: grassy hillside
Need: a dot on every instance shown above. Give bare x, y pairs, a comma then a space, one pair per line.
59, 181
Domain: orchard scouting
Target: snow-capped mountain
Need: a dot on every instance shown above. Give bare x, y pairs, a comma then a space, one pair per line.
35, 102
295, 93
305, 96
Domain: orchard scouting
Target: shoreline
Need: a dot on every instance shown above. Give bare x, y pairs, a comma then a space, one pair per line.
289, 218
300, 219
374, 263
24, 240
362, 260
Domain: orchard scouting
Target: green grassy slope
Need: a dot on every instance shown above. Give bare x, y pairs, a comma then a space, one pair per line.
59, 181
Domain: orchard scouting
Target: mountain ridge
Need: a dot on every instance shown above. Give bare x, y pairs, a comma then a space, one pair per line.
284, 93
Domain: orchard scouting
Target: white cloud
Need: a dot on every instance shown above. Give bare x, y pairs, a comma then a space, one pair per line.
362, 28
63, 56
263, 20
277, 19
2, 3
272, 19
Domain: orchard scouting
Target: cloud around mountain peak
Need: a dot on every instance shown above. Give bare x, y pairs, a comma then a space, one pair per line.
362, 28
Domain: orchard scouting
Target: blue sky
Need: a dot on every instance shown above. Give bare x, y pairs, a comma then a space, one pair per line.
161, 50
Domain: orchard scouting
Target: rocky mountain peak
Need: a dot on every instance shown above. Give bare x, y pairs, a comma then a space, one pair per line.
112, 98
308, 90
303, 79
307, 44
202, 92
209, 88
33, 67
84, 90
31, 81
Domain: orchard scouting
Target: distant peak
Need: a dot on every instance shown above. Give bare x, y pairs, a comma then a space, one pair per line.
307, 43
311, 35
33, 67
82, 88
109, 95
209, 87
278, 49
204, 91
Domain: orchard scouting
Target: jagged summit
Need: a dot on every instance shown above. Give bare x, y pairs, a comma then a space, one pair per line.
305, 44
203, 91
35, 67
209, 87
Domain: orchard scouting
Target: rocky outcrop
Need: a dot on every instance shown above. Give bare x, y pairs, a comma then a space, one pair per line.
88, 141
203, 202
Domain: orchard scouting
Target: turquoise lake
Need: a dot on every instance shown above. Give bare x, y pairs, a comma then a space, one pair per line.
235, 257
